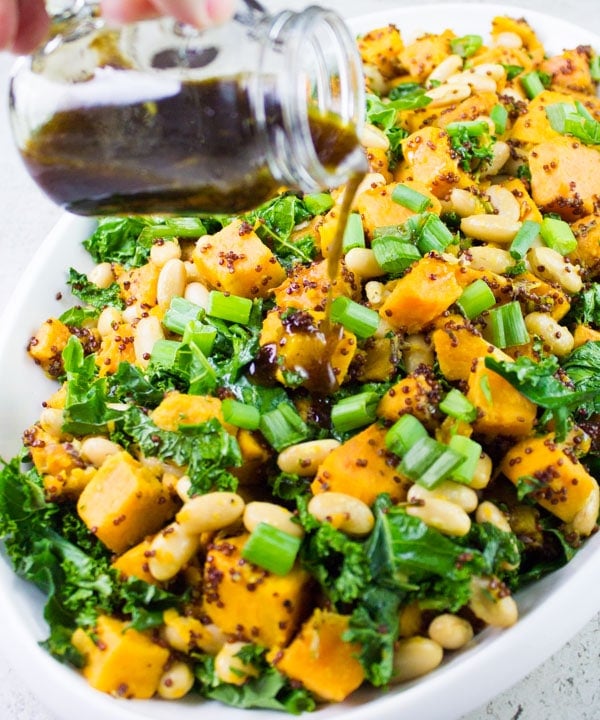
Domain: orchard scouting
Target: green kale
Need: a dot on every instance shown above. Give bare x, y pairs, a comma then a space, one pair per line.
77, 316
127, 240
92, 295
585, 307
583, 369
207, 449
130, 385
472, 151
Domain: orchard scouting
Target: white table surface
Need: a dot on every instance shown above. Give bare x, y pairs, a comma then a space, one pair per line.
565, 687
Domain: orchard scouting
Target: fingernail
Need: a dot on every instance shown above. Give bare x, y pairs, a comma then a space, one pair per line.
219, 11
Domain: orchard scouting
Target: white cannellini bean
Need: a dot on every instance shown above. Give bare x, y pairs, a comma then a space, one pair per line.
163, 251
374, 293
504, 202
192, 273
97, 448
483, 472
362, 262
448, 93
415, 656
449, 66
272, 514
373, 137
495, 260
230, 668
101, 275
494, 70
183, 487
507, 39
172, 280
210, 512
463, 202
481, 83
176, 681
550, 265
197, 293
304, 458
170, 550
147, 332
370, 181
500, 156
346, 512
51, 420
586, 519
108, 319
450, 631
557, 338
488, 512
490, 228
443, 515
454, 492
489, 603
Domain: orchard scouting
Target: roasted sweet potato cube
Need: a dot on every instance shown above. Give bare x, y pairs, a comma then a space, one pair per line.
583, 334
116, 347
134, 562
431, 161
425, 53
519, 26
249, 602
187, 633
382, 47
417, 394
124, 502
502, 410
321, 660
565, 177
564, 483
120, 660
236, 260
571, 70
179, 409
424, 293
587, 254
362, 467
138, 286
308, 287
46, 346
532, 126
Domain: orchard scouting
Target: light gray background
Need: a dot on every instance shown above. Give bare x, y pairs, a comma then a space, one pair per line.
566, 687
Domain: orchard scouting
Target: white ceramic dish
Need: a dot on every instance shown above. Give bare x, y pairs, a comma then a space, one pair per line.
551, 611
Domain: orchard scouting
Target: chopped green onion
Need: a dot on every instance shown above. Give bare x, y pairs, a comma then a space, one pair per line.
354, 411
507, 326
164, 353
557, 115
595, 68
532, 84
458, 406
203, 378
283, 427
272, 549
466, 45
524, 239
434, 235
475, 299
240, 414
557, 234
428, 462
354, 234
234, 308
471, 452
202, 335
358, 319
474, 128
410, 199
179, 314
393, 254
403, 434
318, 203
499, 116
512, 71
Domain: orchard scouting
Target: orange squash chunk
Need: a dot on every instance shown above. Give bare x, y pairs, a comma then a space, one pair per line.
565, 484
321, 660
134, 562
417, 394
502, 409
180, 409
120, 660
249, 602
124, 502
424, 293
361, 467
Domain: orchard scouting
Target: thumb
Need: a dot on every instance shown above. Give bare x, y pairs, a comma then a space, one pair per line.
201, 13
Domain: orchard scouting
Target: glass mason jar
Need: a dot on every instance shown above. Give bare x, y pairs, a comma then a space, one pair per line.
157, 116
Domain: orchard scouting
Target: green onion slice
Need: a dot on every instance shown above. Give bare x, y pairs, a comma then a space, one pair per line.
524, 239
404, 433
499, 116
358, 319
507, 326
240, 414
475, 299
410, 198
557, 234
458, 406
234, 308
471, 452
283, 427
354, 234
428, 462
272, 549
354, 411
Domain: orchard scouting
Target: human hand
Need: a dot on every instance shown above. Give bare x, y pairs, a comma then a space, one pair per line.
24, 23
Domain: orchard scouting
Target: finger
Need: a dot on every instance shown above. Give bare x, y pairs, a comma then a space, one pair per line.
32, 25
123, 12
9, 21
202, 13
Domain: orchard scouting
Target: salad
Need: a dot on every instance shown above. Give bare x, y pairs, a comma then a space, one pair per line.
267, 488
